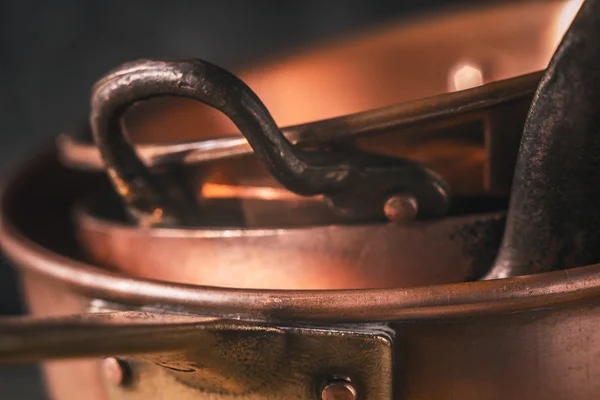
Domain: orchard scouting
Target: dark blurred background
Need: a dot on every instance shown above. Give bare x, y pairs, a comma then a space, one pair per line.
51, 52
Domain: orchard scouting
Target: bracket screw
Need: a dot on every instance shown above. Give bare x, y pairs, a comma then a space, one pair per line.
338, 390
401, 208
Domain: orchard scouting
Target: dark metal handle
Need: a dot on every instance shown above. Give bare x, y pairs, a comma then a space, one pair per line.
356, 183
554, 216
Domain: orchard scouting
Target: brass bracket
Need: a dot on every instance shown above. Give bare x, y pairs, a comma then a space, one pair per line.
263, 362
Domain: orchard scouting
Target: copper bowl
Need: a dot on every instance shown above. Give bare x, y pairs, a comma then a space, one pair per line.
289, 251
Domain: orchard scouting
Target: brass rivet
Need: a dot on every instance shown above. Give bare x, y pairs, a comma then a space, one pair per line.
338, 390
400, 208
113, 371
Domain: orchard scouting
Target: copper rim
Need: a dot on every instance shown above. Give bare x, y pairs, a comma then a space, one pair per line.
452, 300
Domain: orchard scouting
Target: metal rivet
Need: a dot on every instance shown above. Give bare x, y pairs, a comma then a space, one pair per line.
338, 390
401, 208
114, 371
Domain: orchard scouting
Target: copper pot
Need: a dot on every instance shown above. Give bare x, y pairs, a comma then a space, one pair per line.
496, 339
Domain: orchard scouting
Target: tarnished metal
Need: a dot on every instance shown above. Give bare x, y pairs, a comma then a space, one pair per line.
266, 363
272, 243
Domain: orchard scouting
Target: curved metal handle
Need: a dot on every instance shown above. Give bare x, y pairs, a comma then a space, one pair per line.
357, 184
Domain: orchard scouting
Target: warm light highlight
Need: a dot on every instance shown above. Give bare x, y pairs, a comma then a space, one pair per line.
465, 76
565, 17
219, 191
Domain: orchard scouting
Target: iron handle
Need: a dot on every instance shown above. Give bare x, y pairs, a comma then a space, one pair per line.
356, 183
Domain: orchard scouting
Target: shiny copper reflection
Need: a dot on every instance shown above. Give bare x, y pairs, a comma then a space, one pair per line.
221, 191
562, 21
466, 75
310, 257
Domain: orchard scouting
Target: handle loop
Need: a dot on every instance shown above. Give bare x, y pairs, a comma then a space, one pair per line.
357, 184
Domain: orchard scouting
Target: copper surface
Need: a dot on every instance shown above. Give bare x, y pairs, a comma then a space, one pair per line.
267, 238
300, 257
450, 340
65, 379
257, 363
208, 355
55, 255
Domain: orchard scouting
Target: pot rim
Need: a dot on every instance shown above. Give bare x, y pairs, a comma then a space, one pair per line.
86, 215
358, 305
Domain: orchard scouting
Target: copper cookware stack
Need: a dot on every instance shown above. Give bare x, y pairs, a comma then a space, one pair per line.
410, 214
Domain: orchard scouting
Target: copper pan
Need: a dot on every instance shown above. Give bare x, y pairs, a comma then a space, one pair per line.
527, 337
466, 136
